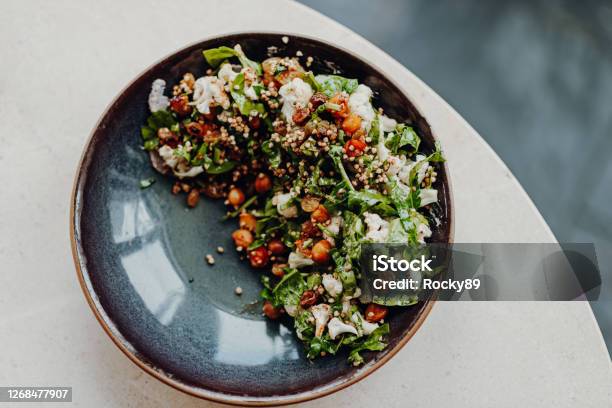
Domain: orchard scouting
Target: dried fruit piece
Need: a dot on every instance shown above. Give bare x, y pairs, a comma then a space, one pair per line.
180, 105
354, 147
259, 257
375, 313
308, 298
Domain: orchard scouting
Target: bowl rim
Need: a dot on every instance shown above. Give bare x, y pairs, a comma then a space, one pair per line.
106, 322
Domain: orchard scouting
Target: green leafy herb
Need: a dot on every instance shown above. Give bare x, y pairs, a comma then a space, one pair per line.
310, 79
375, 130
435, 157
336, 155
215, 56
245, 105
353, 231
303, 327
212, 165
404, 199
157, 120
333, 84
366, 199
243, 207
290, 288
403, 136
373, 343
320, 344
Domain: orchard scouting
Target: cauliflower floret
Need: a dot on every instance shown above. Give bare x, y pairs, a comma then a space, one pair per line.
226, 73
366, 326
382, 153
333, 228
209, 92
250, 93
337, 326
177, 164
400, 167
291, 310
386, 123
359, 103
378, 229
297, 260
346, 304
428, 196
404, 173
422, 168
321, 314
167, 153
423, 232
157, 100
332, 285
281, 202
396, 164
294, 92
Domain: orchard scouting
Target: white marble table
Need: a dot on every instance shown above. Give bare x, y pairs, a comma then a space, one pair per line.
62, 62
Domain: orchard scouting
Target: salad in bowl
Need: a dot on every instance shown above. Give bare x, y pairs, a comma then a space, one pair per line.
310, 169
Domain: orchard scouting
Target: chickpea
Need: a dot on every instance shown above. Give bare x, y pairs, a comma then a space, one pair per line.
242, 238
351, 124
278, 270
263, 183
320, 252
320, 215
247, 222
270, 311
193, 197
235, 197
276, 247
310, 230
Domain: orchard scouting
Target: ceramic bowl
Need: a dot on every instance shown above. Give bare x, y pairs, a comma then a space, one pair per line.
139, 253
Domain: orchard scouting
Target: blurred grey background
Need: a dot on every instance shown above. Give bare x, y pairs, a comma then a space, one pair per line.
534, 78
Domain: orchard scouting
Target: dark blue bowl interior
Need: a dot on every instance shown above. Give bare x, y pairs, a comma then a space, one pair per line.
142, 252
